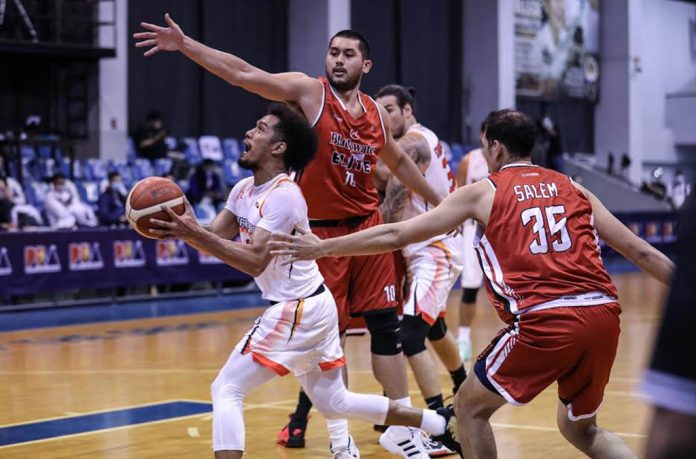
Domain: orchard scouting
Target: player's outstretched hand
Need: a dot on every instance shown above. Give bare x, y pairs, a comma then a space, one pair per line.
303, 246
184, 226
160, 38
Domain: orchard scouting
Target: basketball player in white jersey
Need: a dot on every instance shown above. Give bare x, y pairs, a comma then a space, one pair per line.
432, 266
472, 168
298, 333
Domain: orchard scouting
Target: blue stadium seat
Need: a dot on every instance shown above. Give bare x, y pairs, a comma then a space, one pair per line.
89, 192
191, 150
36, 193
232, 172
457, 152
94, 169
122, 168
172, 143
27, 151
142, 168
210, 148
231, 149
163, 166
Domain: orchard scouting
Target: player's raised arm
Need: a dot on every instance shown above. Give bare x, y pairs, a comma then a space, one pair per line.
622, 239
403, 166
293, 87
472, 201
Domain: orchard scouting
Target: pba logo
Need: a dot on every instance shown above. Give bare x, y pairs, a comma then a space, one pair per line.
129, 254
5, 265
85, 256
205, 258
171, 252
41, 259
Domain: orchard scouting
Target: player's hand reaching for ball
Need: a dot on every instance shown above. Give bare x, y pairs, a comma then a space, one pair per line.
303, 246
184, 226
160, 38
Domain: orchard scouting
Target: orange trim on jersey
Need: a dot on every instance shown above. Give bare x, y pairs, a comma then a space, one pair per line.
277, 184
275, 367
427, 319
326, 366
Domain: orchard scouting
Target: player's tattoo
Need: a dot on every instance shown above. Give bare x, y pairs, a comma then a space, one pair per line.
417, 148
395, 200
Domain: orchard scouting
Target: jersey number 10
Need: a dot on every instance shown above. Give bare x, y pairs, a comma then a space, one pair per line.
556, 228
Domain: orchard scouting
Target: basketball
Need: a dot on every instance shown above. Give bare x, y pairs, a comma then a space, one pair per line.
146, 199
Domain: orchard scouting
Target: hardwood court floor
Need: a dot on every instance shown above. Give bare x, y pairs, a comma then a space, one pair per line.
66, 371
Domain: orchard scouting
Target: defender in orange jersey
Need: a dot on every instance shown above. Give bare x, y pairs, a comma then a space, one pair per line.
337, 185
538, 246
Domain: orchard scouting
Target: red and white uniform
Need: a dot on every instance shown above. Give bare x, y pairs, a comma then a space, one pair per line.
433, 265
299, 332
544, 275
342, 199
476, 170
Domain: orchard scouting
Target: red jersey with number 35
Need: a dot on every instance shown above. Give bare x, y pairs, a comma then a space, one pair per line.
337, 183
540, 249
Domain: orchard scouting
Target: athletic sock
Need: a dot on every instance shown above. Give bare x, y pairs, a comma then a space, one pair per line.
406, 401
338, 433
304, 404
435, 402
433, 423
458, 376
464, 333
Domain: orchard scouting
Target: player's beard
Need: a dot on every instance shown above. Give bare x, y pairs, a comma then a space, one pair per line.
344, 85
246, 164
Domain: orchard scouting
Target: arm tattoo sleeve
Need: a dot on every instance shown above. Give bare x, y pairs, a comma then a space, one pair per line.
417, 148
395, 200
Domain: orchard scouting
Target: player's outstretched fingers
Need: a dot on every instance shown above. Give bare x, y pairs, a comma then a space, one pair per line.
161, 223
142, 44
144, 35
153, 27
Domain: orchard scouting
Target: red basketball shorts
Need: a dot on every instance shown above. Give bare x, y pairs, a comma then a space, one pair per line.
574, 346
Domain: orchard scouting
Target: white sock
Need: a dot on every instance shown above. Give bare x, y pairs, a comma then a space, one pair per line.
338, 432
406, 401
433, 423
464, 333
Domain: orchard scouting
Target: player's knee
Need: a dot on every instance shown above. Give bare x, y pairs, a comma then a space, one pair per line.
413, 333
469, 295
384, 333
438, 330
221, 390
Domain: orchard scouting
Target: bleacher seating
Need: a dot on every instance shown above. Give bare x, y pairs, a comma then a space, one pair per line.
210, 148
231, 149
191, 151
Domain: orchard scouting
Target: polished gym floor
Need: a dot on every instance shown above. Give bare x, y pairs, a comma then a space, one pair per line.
139, 388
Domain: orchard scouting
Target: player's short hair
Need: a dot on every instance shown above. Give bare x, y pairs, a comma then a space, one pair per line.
112, 175
403, 95
363, 45
513, 129
298, 135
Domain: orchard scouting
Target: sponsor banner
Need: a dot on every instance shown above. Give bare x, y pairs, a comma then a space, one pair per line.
101, 258
41, 259
5, 264
129, 254
85, 256
171, 252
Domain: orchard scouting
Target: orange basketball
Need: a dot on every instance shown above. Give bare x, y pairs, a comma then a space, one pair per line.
146, 199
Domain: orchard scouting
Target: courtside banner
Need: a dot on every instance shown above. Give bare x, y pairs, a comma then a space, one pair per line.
44, 262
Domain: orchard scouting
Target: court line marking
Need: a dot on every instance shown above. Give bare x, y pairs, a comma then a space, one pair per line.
553, 429
107, 410
110, 429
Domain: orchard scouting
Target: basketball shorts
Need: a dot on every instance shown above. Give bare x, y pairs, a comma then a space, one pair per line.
432, 272
361, 285
472, 276
296, 336
574, 346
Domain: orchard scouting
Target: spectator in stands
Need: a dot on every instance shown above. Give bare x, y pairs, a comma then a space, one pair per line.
64, 208
149, 139
549, 141
678, 190
15, 213
206, 183
112, 201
